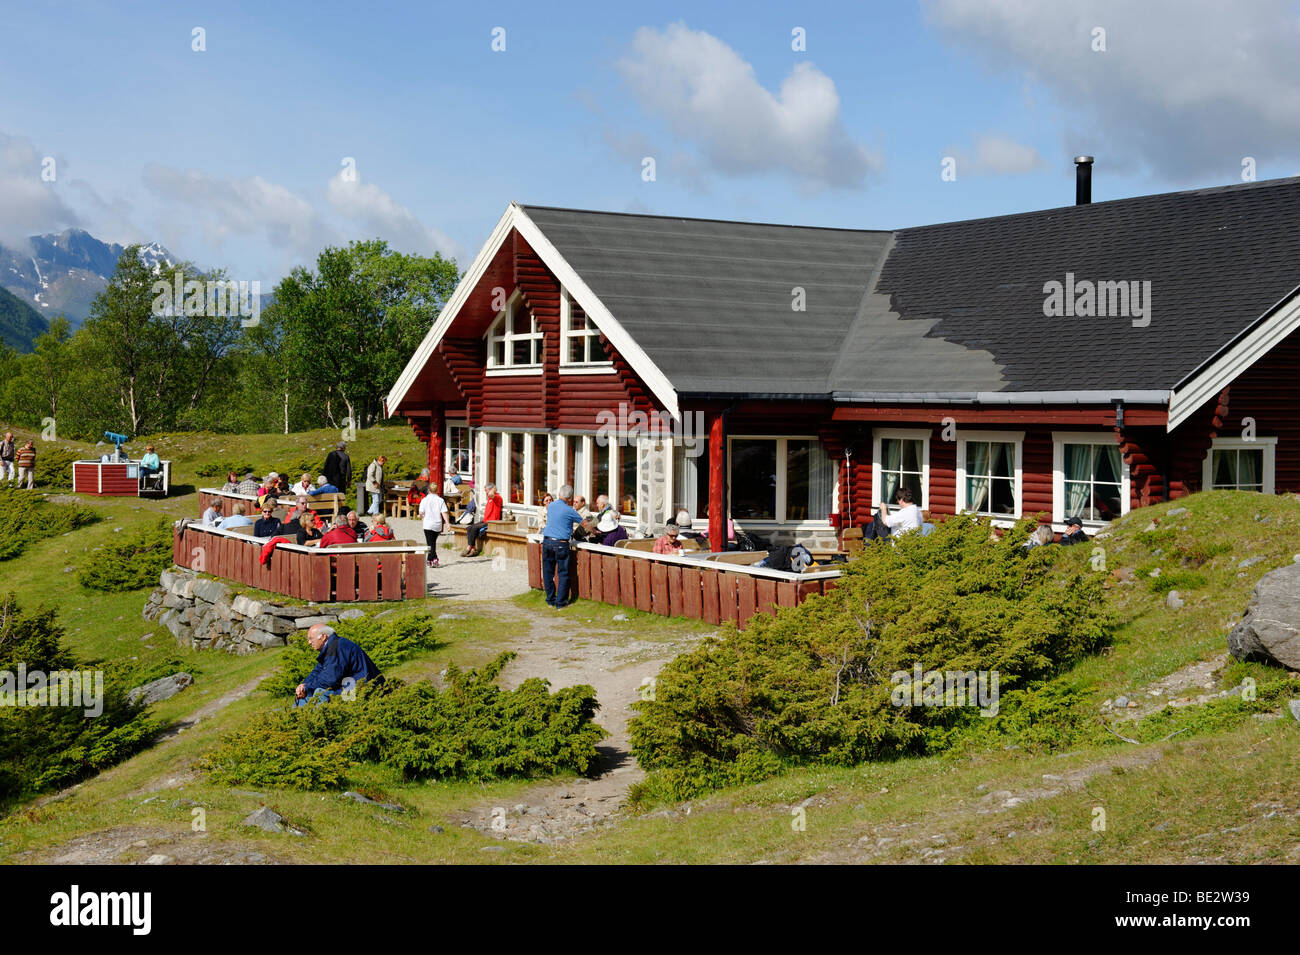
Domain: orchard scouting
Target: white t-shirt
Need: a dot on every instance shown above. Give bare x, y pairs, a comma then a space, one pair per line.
431, 510
906, 518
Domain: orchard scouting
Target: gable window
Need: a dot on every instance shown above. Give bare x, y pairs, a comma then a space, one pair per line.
1240, 464
514, 340
580, 344
901, 458
1089, 477
989, 473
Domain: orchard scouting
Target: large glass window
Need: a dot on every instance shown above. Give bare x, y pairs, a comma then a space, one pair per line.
494, 458
691, 480
626, 493
574, 471
458, 453
902, 464
515, 445
753, 479
1094, 486
1237, 469
539, 468
598, 478
514, 340
809, 481
990, 476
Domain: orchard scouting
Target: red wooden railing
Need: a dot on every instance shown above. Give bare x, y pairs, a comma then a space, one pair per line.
705, 590
381, 572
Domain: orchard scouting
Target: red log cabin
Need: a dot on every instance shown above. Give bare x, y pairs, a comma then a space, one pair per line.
1083, 360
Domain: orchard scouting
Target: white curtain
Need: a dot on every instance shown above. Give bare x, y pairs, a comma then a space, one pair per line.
977, 469
821, 482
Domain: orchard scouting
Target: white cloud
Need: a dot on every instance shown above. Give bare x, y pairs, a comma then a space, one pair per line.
249, 207
997, 156
28, 204
384, 217
709, 96
1185, 87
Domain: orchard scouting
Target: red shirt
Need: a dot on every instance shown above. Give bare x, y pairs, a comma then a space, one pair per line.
339, 535
493, 510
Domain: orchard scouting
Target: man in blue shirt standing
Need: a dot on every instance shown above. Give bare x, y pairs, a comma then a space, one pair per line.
340, 665
560, 520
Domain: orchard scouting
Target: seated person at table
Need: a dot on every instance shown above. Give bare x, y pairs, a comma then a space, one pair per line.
474, 533
580, 505
602, 505
586, 531
232, 483
907, 517
340, 533
451, 487
380, 532
667, 543
150, 466
304, 531
212, 516
249, 485
237, 518
610, 529
419, 489
303, 486
323, 486
340, 666
359, 527
267, 525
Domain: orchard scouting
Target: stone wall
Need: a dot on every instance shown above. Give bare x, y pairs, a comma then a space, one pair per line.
205, 614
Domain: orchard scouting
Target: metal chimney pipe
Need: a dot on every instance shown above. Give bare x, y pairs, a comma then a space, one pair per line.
1082, 180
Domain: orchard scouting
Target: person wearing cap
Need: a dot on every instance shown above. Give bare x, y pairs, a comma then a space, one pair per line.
338, 466
1074, 531
560, 519
610, 529
248, 486
267, 525
212, 516
667, 543
340, 665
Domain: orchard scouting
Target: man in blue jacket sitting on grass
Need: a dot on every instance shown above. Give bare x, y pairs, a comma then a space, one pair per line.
340, 665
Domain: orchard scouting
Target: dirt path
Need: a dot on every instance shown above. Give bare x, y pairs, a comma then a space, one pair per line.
561, 648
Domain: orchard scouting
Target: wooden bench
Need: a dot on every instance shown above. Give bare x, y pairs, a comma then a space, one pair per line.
745, 557
331, 503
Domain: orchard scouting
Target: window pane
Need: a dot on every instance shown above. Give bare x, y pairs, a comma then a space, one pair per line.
1078, 462
577, 350
913, 482
520, 320
1003, 462
1224, 473
539, 468
598, 351
1003, 495
627, 479
1250, 469
912, 451
493, 475
516, 469
574, 473
599, 469
498, 351
796, 480
521, 352
1106, 501
753, 479
1107, 463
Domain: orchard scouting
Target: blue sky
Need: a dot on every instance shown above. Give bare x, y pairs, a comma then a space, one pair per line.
232, 156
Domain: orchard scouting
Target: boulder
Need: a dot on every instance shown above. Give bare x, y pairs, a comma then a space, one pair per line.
184, 587
291, 612
302, 623
352, 614
210, 590
246, 606
262, 638
160, 690
264, 621
167, 578
1270, 630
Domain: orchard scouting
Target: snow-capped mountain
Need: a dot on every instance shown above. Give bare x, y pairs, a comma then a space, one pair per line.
61, 273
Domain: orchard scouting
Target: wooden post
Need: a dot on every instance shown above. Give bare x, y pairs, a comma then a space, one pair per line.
717, 486
437, 431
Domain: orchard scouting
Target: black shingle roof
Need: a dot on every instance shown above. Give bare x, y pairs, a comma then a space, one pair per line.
947, 308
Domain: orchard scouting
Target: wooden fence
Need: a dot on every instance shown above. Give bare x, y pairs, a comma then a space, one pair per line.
681, 586
369, 572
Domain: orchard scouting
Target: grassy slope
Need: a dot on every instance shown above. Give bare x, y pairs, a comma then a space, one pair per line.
1205, 794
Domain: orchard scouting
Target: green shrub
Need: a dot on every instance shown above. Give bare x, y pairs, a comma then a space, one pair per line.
26, 518
46, 747
814, 684
54, 466
388, 644
132, 562
1181, 580
219, 469
470, 730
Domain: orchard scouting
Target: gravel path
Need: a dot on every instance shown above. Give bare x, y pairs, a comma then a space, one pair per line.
465, 578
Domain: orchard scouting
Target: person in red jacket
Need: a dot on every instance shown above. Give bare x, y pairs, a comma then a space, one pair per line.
340, 533
475, 533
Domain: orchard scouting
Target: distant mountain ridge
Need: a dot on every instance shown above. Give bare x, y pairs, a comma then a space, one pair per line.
62, 272
20, 324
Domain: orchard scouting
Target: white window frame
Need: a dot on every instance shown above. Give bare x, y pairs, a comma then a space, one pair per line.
782, 504
581, 477
447, 450
1005, 437
1059, 440
915, 434
602, 366
500, 331
1266, 444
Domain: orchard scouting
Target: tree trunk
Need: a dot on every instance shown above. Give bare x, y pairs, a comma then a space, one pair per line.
286, 406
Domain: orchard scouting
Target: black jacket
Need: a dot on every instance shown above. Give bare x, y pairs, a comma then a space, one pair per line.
1078, 537
338, 470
